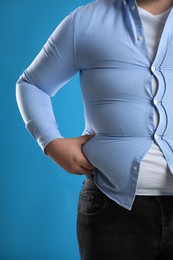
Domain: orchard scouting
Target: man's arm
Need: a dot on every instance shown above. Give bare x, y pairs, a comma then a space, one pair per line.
50, 70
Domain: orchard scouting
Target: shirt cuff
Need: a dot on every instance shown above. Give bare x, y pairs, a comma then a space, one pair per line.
45, 135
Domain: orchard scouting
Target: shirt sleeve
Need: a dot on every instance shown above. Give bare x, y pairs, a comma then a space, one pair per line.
50, 70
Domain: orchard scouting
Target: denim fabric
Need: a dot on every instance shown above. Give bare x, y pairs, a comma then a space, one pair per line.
107, 231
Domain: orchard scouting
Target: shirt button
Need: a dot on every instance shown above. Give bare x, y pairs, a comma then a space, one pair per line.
140, 38
133, 7
135, 168
116, 187
153, 68
155, 101
156, 137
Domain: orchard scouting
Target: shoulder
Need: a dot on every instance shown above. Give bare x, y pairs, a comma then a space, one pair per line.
94, 10
94, 6
91, 16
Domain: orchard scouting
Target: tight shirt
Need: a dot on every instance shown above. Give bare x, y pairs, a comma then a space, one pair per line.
105, 42
155, 177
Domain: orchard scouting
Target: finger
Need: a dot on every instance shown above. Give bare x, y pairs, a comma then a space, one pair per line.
86, 171
85, 138
86, 164
80, 170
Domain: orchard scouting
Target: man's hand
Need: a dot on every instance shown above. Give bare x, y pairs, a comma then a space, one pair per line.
67, 153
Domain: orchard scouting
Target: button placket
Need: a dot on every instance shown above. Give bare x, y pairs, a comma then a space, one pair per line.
158, 103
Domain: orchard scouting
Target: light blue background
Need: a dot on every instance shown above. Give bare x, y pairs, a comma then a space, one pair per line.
38, 200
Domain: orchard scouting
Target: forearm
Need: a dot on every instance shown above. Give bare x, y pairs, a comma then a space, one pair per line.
36, 110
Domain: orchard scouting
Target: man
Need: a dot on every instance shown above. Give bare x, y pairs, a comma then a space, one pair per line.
123, 51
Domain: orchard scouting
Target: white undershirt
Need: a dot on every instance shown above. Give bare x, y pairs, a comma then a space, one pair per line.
155, 177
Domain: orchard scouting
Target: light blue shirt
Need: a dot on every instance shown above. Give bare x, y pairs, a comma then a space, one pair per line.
105, 42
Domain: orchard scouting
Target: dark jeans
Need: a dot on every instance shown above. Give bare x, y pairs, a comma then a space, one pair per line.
107, 231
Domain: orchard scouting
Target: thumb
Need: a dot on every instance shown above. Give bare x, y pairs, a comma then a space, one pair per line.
85, 138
